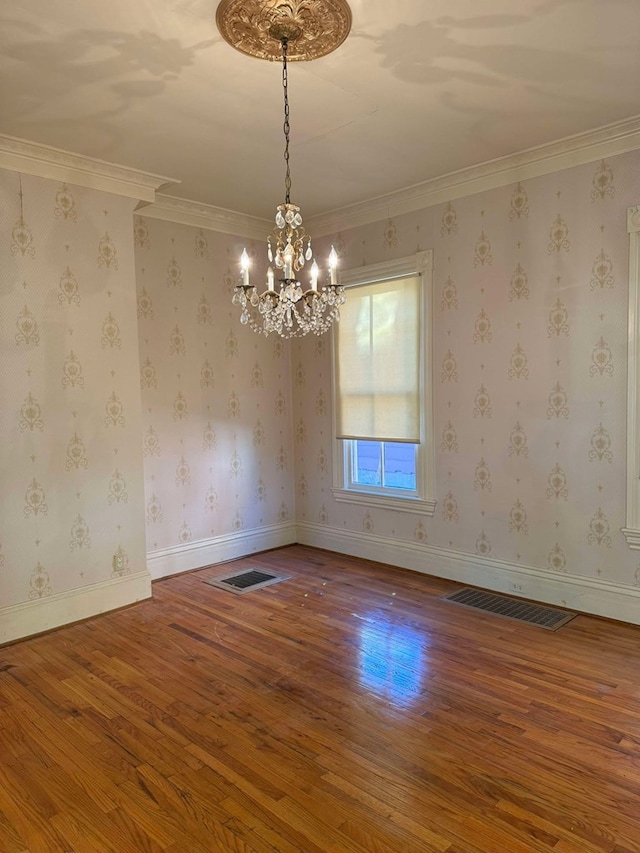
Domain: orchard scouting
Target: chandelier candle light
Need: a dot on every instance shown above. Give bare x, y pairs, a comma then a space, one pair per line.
287, 307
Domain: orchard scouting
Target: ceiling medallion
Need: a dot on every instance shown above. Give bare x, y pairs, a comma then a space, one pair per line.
313, 28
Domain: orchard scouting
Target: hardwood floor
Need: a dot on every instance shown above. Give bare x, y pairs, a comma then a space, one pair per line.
346, 709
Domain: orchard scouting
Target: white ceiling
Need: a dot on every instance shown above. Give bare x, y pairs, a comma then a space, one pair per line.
419, 89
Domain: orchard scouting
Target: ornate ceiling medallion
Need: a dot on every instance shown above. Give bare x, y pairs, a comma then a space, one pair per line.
313, 28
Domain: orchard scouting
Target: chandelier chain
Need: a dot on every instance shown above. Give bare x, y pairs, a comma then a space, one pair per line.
286, 126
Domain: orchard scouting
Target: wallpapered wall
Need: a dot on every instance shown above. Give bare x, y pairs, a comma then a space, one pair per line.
529, 373
72, 485
216, 396
133, 399
126, 412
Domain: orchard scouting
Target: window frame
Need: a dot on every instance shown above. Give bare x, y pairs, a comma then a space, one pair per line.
631, 530
423, 501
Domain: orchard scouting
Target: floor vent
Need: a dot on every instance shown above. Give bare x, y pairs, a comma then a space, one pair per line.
511, 608
247, 581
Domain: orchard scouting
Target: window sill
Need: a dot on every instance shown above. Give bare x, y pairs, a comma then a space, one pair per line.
398, 503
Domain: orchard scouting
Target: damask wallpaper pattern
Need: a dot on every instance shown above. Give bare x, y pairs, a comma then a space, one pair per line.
72, 483
217, 430
133, 400
529, 375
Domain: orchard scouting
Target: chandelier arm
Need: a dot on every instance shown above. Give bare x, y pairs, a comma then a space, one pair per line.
286, 126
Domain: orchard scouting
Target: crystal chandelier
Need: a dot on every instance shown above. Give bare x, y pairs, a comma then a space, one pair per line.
287, 306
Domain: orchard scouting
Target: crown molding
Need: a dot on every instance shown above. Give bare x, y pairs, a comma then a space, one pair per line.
185, 212
608, 141
32, 158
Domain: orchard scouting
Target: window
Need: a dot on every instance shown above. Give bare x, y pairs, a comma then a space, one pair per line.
382, 387
389, 465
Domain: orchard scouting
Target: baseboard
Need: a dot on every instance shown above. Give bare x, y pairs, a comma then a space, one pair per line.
206, 552
586, 595
43, 614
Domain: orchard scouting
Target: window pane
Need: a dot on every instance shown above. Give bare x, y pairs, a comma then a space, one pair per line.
399, 465
367, 466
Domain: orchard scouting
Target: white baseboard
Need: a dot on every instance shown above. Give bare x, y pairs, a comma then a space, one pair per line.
206, 552
586, 595
43, 614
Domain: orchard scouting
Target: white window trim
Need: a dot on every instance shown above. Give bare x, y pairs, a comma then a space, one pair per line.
632, 529
422, 264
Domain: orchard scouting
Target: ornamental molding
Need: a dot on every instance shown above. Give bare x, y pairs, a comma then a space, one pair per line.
32, 158
185, 212
44, 161
256, 28
598, 144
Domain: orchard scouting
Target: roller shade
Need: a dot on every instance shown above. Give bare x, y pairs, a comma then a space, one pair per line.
377, 361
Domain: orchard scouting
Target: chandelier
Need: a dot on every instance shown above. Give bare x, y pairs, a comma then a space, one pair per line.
287, 306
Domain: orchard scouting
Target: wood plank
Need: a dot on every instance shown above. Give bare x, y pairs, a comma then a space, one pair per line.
347, 710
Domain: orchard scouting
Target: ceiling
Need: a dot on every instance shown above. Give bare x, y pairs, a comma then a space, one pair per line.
419, 89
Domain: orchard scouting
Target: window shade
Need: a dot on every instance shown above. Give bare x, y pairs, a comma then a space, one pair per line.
377, 362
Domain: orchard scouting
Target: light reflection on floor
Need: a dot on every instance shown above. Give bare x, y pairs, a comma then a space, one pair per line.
392, 660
